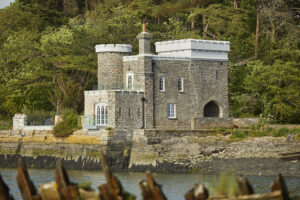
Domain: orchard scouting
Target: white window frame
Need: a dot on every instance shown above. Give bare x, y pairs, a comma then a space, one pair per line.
101, 114
171, 110
127, 77
180, 85
162, 84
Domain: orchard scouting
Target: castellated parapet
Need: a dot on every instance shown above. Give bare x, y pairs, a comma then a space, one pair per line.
120, 48
191, 48
110, 65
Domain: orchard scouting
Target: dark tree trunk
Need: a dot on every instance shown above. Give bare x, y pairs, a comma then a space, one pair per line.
257, 34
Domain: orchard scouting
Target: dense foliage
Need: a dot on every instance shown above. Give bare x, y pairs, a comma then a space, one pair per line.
67, 125
47, 54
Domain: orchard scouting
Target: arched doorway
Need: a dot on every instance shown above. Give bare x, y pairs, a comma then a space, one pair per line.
211, 109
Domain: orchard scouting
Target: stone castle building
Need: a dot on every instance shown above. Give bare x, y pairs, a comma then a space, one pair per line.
185, 83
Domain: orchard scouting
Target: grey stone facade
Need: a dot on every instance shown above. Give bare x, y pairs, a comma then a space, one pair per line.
194, 74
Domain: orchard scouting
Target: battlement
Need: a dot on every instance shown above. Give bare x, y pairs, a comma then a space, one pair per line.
203, 49
121, 48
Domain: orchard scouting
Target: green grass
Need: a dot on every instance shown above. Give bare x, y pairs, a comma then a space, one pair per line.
5, 127
239, 134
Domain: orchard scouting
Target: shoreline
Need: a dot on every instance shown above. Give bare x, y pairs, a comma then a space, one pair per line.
157, 151
240, 166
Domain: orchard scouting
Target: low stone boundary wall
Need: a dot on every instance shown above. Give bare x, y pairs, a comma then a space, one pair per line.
289, 126
38, 128
210, 123
245, 122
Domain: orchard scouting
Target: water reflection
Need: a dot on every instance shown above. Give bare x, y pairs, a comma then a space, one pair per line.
174, 185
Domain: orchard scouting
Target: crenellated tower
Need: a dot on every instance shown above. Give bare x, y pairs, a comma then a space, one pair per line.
110, 65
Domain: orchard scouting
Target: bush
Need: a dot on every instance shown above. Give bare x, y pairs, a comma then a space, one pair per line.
68, 124
223, 131
71, 118
281, 132
239, 134
62, 129
257, 133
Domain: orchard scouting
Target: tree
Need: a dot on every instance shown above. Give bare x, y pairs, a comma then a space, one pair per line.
272, 90
24, 74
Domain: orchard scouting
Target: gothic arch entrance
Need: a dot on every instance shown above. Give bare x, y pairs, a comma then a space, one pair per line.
211, 109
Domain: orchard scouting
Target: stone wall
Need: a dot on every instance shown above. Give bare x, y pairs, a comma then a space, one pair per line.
110, 70
124, 107
76, 152
204, 81
161, 151
245, 122
19, 121
91, 98
158, 150
132, 66
210, 123
128, 111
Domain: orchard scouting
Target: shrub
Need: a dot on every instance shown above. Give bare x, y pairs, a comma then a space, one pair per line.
223, 131
71, 118
238, 134
62, 129
281, 132
68, 124
257, 133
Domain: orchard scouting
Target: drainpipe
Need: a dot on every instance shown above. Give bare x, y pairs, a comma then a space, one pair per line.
143, 112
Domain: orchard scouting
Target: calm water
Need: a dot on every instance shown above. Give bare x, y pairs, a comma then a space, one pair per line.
174, 185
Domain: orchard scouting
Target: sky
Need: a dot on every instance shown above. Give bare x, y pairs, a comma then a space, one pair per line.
4, 3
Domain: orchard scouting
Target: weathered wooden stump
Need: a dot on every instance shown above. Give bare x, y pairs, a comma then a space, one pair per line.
244, 186
4, 191
150, 189
66, 189
26, 186
112, 189
198, 192
279, 185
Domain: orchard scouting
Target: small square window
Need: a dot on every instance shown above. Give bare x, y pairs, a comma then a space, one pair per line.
171, 110
180, 84
162, 84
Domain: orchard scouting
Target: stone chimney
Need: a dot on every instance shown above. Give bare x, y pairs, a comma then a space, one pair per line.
144, 41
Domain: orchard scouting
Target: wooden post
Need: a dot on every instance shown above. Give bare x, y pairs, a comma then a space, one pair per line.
198, 192
244, 186
280, 185
112, 190
151, 190
66, 189
4, 191
26, 186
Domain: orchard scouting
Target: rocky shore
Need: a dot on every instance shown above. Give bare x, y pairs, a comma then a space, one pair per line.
158, 151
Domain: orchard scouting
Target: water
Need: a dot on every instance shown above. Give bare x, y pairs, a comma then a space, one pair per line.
174, 185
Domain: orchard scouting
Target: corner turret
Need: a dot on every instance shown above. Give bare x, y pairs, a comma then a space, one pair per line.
110, 65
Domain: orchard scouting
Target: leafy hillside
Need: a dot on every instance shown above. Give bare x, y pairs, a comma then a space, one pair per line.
47, 56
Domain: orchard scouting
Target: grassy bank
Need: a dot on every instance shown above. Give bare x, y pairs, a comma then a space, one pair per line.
239, 134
